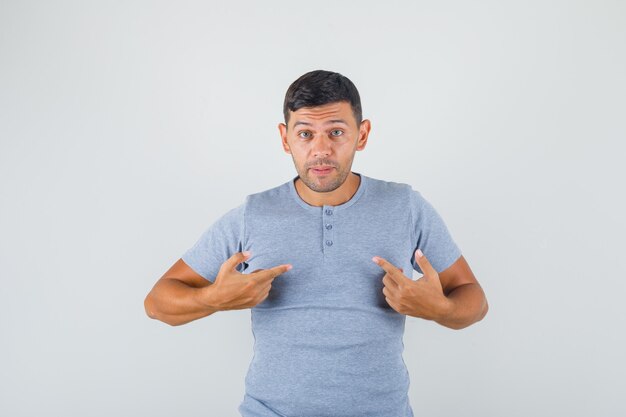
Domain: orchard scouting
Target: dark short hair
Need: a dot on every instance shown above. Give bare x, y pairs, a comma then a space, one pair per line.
319, 87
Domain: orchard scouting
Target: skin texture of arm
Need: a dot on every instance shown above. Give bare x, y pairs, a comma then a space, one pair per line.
181, 295
468, 302
178, 296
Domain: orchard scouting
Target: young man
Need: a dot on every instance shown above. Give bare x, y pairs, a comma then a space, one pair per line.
320, 261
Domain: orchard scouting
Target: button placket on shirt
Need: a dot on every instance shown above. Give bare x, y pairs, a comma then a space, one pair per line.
328, 235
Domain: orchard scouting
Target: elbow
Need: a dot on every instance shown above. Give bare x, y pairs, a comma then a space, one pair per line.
154, 313
481, 315
149, 307
461, 326
482, 312
484, 309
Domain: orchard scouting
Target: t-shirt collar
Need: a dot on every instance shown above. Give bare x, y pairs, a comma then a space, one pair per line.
316, 209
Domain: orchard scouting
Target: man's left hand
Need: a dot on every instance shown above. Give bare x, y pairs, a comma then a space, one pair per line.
423, 298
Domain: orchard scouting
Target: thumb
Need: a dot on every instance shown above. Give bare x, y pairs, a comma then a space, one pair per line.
231, 263
424, 264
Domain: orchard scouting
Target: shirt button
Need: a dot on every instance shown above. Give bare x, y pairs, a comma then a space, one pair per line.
329, 226
329, 243
329, 212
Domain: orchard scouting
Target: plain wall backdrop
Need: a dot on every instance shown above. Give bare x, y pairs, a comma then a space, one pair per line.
128, 127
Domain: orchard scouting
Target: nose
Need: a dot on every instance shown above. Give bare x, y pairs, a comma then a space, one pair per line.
321, 146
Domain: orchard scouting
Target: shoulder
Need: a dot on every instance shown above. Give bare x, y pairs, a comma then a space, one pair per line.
400, 196
390, 189
269, 197
275, 201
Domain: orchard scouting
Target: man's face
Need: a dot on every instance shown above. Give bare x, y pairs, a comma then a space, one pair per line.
322, 141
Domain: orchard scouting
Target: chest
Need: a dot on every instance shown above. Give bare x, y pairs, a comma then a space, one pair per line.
331, 255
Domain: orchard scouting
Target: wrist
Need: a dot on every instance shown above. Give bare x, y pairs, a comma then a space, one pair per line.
445, 310
205, 297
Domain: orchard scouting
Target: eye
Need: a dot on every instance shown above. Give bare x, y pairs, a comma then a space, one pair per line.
304, 134
336, 132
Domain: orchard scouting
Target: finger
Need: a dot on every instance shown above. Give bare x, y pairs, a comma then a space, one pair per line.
392, 304
231, 263
386, 292
388, 281
424, 264
271, 273
393, 271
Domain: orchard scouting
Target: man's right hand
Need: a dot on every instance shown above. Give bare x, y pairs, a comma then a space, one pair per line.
233, 290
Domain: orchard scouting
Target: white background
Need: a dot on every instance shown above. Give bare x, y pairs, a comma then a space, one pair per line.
127, 128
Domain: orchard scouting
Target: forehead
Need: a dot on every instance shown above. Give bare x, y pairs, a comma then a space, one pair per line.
320, 114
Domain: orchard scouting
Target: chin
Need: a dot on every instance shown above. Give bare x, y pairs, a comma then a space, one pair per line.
331, 184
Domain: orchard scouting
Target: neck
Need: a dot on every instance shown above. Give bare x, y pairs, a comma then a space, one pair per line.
333, 198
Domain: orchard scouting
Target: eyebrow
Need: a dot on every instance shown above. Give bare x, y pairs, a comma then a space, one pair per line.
328, 122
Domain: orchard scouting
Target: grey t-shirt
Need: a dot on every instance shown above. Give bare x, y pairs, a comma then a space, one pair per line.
326, 341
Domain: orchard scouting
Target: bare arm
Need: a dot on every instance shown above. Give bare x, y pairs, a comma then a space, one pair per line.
452, 298
179, 296
468, 305
467, 302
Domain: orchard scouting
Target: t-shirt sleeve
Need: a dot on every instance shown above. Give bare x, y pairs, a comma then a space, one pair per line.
431, 235
219, 242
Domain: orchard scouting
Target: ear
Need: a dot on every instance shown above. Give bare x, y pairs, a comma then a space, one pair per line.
282, 129
364, 131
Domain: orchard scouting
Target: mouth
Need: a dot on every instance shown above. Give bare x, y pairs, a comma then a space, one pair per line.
322, 170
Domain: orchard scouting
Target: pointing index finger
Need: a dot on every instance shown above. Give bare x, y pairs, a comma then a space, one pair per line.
389, 268
271, 273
